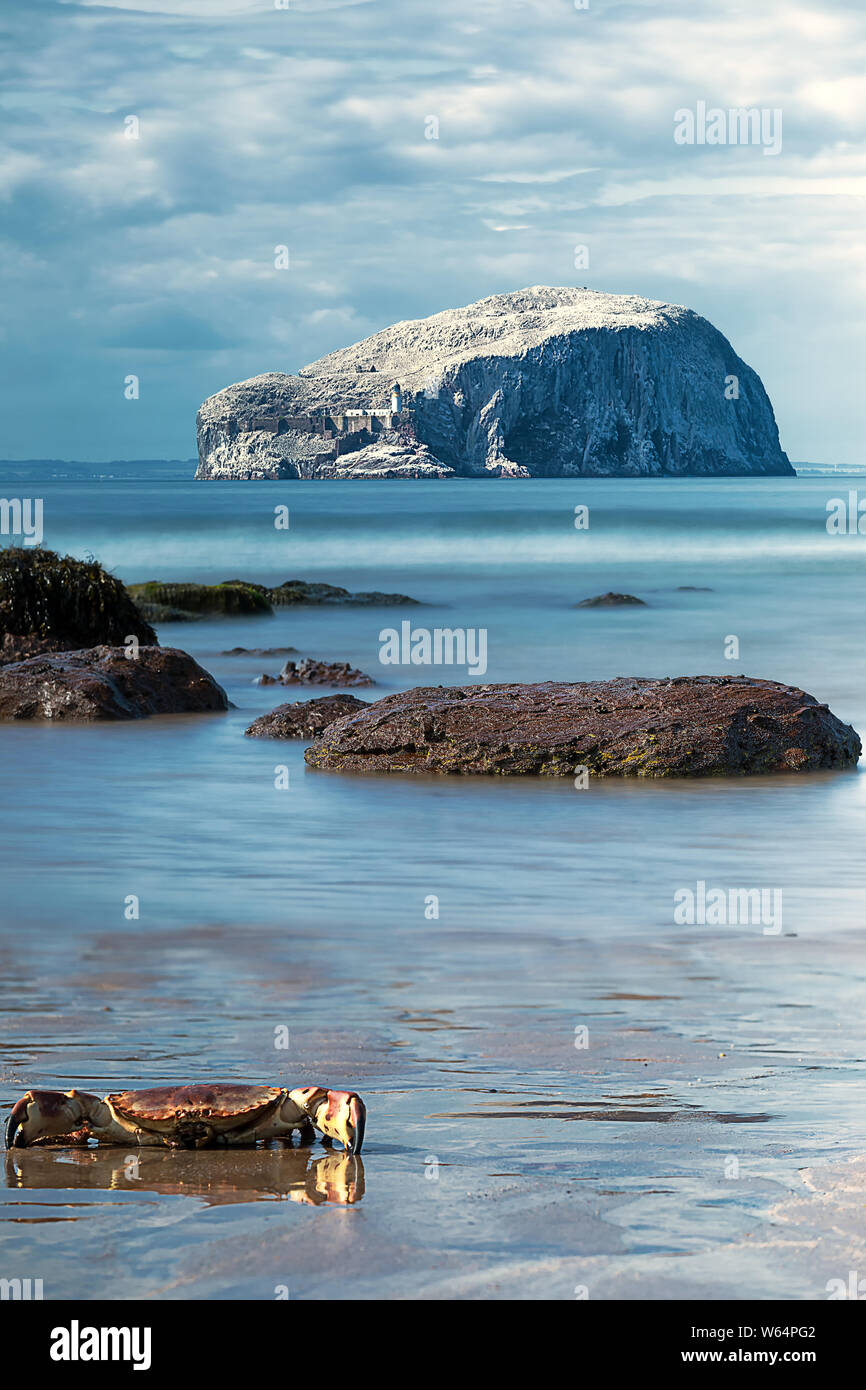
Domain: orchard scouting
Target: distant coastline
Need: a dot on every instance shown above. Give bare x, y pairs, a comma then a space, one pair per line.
118, 470
183, 470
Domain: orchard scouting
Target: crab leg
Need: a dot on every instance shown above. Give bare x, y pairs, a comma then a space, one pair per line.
336, 1114
74, 1115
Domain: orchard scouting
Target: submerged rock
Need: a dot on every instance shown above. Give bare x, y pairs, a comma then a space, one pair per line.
611, 601
311, 672
688, 726
105, 683
539, 382
51, 602
259, 651
306, 719
164, 613
293, 591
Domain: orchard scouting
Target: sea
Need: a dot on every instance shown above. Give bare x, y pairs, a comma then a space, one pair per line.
572, 1094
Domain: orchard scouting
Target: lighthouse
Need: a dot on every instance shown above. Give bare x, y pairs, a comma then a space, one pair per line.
396, 398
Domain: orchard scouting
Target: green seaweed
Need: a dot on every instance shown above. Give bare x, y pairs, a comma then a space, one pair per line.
231, 597
73, 602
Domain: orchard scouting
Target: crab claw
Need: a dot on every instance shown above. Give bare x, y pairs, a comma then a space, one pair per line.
47, 1114
337, 1114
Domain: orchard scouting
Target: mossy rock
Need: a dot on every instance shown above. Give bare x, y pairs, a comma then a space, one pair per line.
204, 598
74, 603
162, 613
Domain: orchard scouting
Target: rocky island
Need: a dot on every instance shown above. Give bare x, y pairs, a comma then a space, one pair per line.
540, 382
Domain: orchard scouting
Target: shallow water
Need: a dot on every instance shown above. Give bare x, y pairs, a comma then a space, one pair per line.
501, 1159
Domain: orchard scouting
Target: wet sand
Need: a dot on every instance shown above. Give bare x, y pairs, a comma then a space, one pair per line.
501, 1160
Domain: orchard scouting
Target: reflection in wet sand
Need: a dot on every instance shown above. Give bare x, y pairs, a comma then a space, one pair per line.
221, 1177
647, 1109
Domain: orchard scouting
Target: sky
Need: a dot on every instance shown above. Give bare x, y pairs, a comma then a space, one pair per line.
411, 157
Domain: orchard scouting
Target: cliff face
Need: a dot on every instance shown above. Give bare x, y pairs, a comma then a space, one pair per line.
537, 383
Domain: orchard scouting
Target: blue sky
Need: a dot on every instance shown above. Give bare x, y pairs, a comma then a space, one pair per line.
307, 126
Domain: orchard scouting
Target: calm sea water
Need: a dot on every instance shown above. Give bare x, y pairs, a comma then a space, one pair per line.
504, 1158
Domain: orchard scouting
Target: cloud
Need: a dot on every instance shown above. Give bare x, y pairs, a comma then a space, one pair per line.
308, 127
163, 327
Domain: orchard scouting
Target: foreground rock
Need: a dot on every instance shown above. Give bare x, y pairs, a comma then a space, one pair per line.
690, 726
17, 648
306, 719
611, 601
51, 602
104, 683
540, 382
311, 672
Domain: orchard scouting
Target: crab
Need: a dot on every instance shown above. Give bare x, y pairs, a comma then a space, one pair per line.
188, 1117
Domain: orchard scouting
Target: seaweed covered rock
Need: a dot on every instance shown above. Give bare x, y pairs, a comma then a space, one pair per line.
306, 718
106, 683
688, 726
51, 602
179, 602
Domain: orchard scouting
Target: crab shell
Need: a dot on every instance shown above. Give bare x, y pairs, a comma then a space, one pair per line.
221, 1106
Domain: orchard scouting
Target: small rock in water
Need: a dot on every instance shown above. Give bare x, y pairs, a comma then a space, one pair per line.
259, 651
300, 591
306, 718
311, 672
611, 601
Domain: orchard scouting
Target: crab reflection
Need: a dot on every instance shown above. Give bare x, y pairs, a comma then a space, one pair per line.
220, 1176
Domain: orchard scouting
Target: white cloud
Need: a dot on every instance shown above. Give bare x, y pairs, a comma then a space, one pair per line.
307, 127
